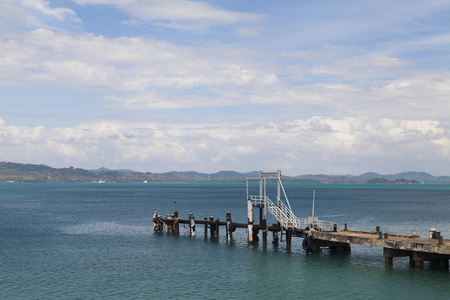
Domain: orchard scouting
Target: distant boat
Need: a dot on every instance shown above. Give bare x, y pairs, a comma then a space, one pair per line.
101, 181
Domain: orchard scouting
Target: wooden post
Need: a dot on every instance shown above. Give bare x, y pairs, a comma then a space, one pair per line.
288, 240
176, 222
211, 226
217, 228
229, 227
206, 228
250, 220
264, 232
155, 221
191, 225
274, 237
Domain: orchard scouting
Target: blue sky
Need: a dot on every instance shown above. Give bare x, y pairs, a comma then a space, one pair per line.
336, 87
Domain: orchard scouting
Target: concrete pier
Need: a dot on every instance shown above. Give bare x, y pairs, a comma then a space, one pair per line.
394, 245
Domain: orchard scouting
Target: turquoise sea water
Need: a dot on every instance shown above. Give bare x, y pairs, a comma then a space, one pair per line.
96, 241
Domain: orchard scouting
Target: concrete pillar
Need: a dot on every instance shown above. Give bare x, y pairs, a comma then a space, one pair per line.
388, 256
418, 258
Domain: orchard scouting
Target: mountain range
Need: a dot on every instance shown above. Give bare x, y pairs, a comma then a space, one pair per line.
17, 172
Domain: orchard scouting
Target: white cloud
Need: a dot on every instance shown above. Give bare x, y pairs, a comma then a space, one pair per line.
318, 144
178, 14
27, 14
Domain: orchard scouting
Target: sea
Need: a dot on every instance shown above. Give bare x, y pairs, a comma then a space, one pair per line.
96, 241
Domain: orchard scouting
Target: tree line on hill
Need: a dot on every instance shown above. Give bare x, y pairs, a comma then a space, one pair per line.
17, 172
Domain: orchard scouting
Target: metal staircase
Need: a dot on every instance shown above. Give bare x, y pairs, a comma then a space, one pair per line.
281, 210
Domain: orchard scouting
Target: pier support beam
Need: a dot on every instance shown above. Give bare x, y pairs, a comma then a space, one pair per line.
176, 224
229, 227
288, 240
416, 258
206, 228
275, 237
216, 225
250, 220
264, 231
212, 225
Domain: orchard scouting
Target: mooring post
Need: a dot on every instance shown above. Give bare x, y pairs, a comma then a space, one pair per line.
191, 225
155, 221
250, 220
206, 228
211, 226
229, 229
264, 231
176, 222
217, 228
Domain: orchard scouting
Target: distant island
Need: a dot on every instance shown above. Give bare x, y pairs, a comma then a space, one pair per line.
17, 172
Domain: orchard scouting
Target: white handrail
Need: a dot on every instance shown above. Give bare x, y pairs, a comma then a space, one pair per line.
286, 217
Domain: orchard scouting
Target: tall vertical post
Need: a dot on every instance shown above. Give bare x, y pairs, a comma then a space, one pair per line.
278, 187
191, 225
279, 196
250, 220
229, 227
260, 184
206, 228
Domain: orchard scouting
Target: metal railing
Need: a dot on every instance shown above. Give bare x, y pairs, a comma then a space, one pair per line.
281, 212
286, 217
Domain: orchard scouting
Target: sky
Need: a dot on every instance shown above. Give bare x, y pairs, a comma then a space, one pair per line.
306, 87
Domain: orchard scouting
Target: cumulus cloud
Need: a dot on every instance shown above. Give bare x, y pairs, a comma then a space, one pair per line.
87, 62
318, 144
177, 14
139, 73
